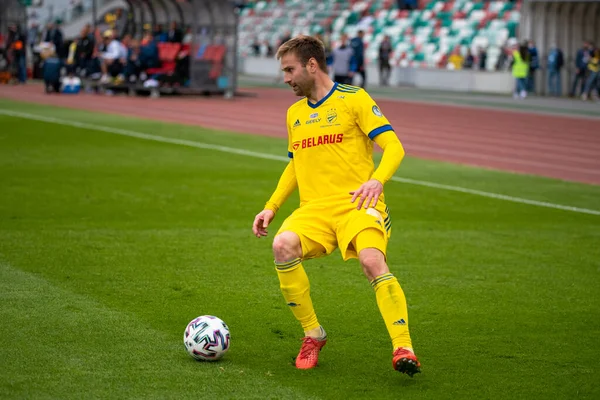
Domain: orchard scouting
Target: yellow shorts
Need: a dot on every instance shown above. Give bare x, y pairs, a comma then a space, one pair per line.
325, 225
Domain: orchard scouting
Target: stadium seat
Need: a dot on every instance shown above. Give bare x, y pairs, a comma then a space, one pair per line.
429, 33
167, 54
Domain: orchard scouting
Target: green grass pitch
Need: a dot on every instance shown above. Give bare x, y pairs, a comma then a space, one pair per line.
110, 245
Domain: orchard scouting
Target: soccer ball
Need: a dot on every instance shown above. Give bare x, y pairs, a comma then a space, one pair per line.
206, 338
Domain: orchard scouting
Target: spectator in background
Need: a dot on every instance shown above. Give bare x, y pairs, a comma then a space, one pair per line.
593, 79
343, 65
32, 35
181, 74
51, 68
286, 36
266, 50
469, 60
4, 75
581, 61
133, 67
159, 34
174, 35
502, 59
534, 65
326, 44
189, 36
520, 70
385, 52
255, 47
85, 50
456, 60
326, 40
17, 46
124, 45
148, 51
407, 4
110, 58
482, 59
358, 47
71, 62
54, 35
555, 64
120, 22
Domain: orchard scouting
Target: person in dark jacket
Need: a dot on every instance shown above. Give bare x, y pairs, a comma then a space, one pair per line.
469, 60
174, 34
51, 70
16, 44
555, 64
160, 35
385, 52
358, 47
54, 35
581, 61
482, 59
534, 65
85, 51
133, 67
148, 52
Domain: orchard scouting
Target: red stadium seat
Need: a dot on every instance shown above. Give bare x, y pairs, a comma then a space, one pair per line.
167, 54
216, 55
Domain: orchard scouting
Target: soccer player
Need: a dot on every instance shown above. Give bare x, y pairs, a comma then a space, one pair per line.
331, 132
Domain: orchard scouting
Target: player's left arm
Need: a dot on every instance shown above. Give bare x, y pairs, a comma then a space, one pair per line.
393, 153
375, 125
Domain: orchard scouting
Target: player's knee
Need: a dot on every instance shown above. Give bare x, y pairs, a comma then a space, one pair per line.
286, 247
373, 263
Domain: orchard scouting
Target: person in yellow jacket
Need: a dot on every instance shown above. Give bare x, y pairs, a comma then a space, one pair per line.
520, 70
593, 80
456, 59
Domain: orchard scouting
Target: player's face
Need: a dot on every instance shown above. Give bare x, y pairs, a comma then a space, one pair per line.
296, 75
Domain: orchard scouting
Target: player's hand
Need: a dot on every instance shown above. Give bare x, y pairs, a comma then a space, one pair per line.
367, 193
261, 222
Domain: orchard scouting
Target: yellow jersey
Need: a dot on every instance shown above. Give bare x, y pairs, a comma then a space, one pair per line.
331, 142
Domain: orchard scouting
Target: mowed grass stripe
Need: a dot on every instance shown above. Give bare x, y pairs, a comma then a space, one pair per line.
62, 339
232, 150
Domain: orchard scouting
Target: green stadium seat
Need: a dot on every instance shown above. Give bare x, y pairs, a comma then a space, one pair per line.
436, 30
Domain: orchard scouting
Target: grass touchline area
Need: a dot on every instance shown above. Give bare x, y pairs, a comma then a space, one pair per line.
232, 150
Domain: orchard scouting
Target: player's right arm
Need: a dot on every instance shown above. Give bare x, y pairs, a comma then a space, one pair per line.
287, 184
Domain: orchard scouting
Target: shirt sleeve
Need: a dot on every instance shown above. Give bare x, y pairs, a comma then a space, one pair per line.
289, 130
368, 115
285, 187
393, 153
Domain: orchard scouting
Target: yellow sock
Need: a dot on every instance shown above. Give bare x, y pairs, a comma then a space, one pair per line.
392, 305
295, 287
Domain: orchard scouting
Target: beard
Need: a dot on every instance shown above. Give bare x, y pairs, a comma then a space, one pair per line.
302, 89
303, 86
298, 91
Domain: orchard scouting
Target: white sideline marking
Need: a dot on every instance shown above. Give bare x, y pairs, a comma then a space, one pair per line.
233, 150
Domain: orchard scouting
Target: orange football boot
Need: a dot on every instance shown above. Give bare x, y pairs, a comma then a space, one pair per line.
309, 352
406, 362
